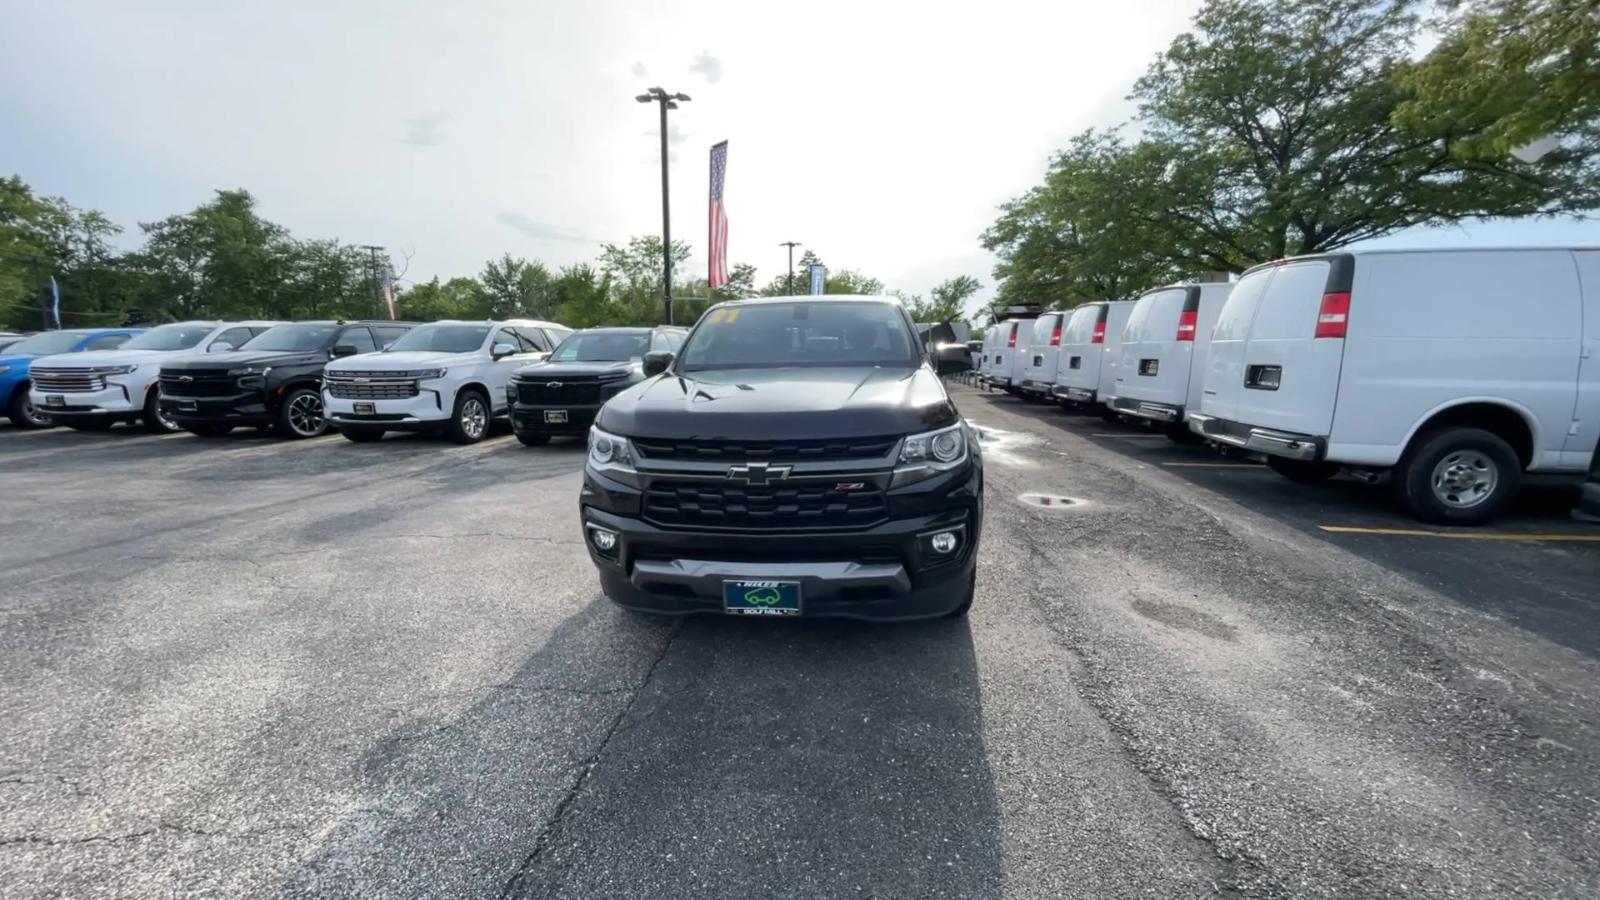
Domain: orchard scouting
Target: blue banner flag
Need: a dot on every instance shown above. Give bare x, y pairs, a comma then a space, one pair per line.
55, 296
819, 275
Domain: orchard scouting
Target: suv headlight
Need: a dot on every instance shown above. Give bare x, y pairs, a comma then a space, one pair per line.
119, 370
428, 374
608, 452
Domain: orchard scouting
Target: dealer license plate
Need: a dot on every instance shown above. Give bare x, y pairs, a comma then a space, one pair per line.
365, 409
761, 598
55, 400
555, 417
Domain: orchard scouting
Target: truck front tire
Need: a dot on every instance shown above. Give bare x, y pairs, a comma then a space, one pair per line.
1458, 476
470, 421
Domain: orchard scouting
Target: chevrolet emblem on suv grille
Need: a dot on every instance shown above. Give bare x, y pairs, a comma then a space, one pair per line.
758, 473
185, 377
552, 384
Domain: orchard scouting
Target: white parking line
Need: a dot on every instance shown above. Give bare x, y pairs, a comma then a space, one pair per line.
1214, 465
1110, 435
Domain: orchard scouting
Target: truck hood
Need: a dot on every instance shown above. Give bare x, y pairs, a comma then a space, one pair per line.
781, 404
87, 359
241, 358
578, 369
408, 359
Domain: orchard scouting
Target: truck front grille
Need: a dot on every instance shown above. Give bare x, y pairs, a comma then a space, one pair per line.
369, 386
67, 381
791, 505
868, 448
559, 392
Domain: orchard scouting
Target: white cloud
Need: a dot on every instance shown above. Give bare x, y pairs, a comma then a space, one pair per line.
423, 131
707, 67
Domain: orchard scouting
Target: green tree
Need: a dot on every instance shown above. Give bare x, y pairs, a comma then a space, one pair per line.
844, 281
517, 288
221, 260
1507, 73
583, 297
432, 300
947, 302
634, 270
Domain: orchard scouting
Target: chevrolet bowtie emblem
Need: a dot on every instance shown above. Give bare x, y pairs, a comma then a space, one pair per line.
185, 377
758, 473
552, 384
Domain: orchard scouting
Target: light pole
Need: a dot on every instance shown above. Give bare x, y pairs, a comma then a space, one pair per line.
667, 101
789, 285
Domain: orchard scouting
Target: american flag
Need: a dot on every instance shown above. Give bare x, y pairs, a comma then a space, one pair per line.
719, 217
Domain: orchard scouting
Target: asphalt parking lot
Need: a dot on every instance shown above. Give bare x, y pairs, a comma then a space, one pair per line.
246, 667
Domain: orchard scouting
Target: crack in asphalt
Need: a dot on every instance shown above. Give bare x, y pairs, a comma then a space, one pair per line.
190, 830
541, 842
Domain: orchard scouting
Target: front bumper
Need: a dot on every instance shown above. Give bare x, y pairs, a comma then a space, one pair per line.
115, 400
248, 409
1147, 409
1272, 442
887, 572
429, 409
526, 418
1075, 394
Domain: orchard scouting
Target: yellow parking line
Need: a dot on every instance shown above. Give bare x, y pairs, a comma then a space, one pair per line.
1212, 465
1463, 535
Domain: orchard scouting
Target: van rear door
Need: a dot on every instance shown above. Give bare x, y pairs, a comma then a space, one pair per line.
1224, 376
1079, 361
1583, 438
1290, 376
1155, 363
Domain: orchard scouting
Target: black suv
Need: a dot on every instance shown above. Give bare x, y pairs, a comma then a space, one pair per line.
273, 381
799, 456
562, 394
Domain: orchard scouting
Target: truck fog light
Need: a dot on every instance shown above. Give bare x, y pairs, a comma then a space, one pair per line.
943, 542
604, 541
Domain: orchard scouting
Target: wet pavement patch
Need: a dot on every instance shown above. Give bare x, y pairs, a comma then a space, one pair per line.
1051, 501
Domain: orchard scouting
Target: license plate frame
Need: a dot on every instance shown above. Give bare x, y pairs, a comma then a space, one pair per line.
556, 417
366, 409
55, 400
188, 407
761, 597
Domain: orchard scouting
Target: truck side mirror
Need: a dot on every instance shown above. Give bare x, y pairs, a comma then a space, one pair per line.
952, 359
344, 350
657, 361
502, 350
220, 347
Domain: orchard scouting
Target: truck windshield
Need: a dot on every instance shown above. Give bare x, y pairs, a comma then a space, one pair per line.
602, 346
170, 337
779, 335
47, 343
293, 338
442, 339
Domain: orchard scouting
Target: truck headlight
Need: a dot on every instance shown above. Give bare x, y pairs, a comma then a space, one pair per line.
608, 451
942, 449
119, 370
430, 374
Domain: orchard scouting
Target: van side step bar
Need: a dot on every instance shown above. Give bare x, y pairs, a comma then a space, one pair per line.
1286, 444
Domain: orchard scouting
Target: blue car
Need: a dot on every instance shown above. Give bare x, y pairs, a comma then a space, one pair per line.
14, 361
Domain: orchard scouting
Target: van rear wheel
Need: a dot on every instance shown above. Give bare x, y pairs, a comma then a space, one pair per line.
1458, 476
1302, 471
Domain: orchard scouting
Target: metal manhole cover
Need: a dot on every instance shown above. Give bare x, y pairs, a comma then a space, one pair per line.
1051, 501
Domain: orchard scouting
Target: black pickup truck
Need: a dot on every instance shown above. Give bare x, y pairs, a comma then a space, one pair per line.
273, 381
798, 457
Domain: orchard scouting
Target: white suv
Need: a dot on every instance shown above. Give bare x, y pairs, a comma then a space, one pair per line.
446, 376
93, 389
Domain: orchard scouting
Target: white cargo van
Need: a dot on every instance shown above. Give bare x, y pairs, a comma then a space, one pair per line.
1164, 351
1451, 370
1003, 357
1091, 352
1044, 351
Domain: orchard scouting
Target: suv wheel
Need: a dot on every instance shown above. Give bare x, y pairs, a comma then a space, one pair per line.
533, 438
470, 422
1458, 476
154, 421
1302, 471
300, 415
22, 412
361, 435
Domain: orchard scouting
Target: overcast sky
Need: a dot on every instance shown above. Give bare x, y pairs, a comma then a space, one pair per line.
881, 135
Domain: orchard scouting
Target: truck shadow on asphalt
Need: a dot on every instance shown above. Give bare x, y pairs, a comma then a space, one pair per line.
710, 756
1546, 588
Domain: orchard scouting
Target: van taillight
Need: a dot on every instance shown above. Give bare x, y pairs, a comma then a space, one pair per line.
1334, 314
1186, 324
1055, 333
1011, 339
1099, 336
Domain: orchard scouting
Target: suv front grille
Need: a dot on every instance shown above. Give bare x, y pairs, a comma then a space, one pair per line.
67, 381
199, 384
559, 392
872, 448
794, 505
369, 386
